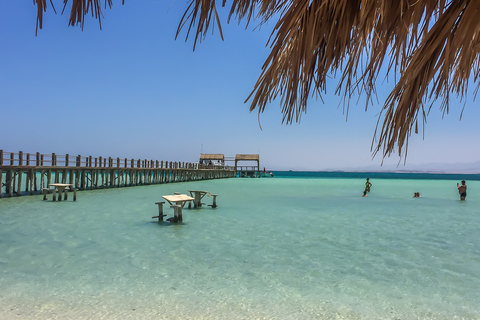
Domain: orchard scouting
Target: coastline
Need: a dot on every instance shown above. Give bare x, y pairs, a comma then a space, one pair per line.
379, 175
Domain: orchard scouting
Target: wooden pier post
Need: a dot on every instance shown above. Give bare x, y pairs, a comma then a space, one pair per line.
33, 177
82, 180
1, 173
19, 188
96, 175
71, 177
10, 182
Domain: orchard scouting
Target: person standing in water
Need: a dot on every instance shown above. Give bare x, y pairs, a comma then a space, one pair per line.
462, 190
368, 184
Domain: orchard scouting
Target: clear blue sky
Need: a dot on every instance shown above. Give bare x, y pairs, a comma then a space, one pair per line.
132, 90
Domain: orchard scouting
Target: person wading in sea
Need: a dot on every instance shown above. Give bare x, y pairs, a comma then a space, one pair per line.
462, 190
368, 184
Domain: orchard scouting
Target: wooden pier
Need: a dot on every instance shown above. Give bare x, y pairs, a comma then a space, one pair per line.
27, 174
252, 170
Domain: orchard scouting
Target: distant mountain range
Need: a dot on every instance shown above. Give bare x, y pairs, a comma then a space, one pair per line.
458, 167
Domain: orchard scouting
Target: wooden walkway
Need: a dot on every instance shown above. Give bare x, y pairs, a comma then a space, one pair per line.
27, 174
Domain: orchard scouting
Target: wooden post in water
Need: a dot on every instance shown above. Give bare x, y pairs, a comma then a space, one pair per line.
1, 173
57, 174
10, 182
71, 178
37, 163
27, 178
20, 163
82, 180
19, 186
49, 177
32, 181
42, 179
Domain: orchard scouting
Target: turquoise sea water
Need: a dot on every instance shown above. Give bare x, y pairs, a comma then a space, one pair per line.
297, 246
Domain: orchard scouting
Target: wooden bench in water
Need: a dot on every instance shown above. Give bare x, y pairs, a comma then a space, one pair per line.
60, 188
214, 204
198, 196
160, 211
177, 202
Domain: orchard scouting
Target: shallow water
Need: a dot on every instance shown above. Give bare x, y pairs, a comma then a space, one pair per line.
281, 248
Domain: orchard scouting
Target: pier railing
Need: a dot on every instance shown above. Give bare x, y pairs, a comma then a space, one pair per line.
23, 159
35, 171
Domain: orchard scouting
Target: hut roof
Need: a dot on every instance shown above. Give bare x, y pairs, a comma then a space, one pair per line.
431, 46
217, 156
249, 157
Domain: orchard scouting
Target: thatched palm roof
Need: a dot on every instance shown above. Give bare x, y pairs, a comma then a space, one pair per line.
216, 156
431, 45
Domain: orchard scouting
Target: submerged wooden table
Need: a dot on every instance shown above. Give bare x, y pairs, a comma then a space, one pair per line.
198, 196
61, 187
177, 202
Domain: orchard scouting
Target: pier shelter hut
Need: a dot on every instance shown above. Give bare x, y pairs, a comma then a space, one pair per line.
216, 160
250, 170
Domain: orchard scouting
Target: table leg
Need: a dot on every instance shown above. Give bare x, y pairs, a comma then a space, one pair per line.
196, 202
179, 213
214, 205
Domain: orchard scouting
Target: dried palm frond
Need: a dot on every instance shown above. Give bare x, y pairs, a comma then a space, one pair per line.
41, 8
442, 63
79, 9
432, 46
